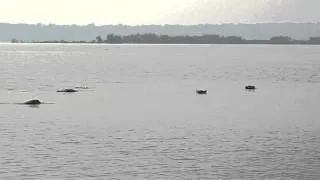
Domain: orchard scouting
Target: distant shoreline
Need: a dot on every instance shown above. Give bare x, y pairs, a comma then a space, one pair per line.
75, 33
166, 39
90, 43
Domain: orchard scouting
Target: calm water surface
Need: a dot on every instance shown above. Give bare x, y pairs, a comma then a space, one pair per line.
140, 118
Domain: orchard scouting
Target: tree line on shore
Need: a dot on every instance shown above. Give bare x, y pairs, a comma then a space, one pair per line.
166, 39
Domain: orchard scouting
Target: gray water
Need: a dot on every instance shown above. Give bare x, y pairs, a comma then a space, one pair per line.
140, 117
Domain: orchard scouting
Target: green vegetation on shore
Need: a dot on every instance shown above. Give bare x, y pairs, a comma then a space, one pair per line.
165, 39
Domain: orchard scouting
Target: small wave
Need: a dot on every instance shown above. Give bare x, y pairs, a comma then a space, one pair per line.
70, 142
182, 158
4, 103
82, 87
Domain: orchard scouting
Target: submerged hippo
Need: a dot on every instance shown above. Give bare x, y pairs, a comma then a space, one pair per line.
250, 87
201, 91
67, 90
33, 102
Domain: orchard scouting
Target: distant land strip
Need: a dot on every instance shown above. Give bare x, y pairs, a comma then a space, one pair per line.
182, 39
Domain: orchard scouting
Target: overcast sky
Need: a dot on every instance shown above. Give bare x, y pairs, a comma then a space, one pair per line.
158, 11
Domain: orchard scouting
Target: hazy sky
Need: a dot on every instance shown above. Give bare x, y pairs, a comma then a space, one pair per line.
157, 11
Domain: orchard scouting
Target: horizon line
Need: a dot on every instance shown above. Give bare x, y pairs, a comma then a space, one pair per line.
131, 25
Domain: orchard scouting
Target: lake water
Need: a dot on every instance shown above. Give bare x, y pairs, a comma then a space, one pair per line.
141, 118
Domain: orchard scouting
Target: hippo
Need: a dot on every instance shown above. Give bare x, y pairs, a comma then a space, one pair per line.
200, 91
33, 102
250, 87
67, 90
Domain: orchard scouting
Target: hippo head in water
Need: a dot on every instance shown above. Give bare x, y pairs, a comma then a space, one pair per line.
250, 87
201, 91
33, 102
67, 90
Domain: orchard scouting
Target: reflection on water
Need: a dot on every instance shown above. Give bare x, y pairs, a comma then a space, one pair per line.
141, 117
